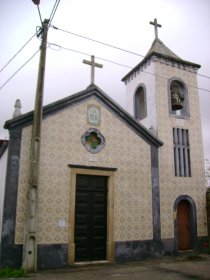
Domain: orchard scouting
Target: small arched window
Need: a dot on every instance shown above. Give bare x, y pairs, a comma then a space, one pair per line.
140, 108
178, 99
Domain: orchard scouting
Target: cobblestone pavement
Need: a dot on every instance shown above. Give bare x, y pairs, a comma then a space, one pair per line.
191, 267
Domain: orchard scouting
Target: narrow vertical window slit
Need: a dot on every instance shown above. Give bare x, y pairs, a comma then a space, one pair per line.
181, 152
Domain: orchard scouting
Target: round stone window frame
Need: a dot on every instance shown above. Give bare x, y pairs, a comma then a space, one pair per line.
99, 136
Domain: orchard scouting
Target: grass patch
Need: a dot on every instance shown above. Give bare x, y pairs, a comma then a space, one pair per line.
11, 273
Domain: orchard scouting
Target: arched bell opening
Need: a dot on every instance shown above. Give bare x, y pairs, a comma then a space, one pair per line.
140, 103
177, 96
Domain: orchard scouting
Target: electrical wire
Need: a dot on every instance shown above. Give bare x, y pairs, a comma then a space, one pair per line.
106, 44
96, 41
37, 33
57, 2
40, 15
113, 62
19, 69
17, 52
58, 48
37, 4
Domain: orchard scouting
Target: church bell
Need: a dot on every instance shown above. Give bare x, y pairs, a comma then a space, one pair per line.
176, 99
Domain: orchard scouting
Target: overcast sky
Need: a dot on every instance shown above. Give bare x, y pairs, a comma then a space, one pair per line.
123, 23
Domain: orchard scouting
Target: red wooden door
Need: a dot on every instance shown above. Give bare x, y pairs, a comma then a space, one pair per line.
183, 220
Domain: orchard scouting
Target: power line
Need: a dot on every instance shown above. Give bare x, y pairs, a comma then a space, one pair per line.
36, 2
40, 15
17, 53
58, 48
51, 45
37, 32
106, 44
19, 69
57, 2
96, 41
113, 62
204, 76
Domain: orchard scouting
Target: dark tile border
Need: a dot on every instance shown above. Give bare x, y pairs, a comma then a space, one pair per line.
11, 254
155, 194
137, 250
52, 256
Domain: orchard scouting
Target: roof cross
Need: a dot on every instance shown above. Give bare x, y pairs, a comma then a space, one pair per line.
93, 65
156, 25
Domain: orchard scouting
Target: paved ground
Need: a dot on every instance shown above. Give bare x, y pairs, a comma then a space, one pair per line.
191, 267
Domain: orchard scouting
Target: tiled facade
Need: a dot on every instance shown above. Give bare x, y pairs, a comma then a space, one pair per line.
61, 145
172, 187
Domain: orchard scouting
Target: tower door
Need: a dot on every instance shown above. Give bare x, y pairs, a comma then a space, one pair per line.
184, 230
90, 218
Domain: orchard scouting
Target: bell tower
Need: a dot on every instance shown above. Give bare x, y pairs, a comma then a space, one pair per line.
162, 94
161, 79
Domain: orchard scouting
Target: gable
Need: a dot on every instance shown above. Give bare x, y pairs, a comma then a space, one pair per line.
97, 94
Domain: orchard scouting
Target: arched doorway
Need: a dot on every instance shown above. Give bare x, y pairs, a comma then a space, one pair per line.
185, 225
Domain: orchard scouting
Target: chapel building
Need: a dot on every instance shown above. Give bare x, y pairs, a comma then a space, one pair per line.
114, 184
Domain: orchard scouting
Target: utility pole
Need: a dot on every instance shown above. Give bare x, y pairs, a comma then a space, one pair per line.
29, 262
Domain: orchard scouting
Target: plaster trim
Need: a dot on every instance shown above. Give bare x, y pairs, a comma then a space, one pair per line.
110, 246
193, 221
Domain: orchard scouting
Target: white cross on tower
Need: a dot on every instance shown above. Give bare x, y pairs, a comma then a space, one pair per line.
93, 65
156, 25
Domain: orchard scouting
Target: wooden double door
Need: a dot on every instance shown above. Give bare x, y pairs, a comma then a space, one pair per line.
90, 234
